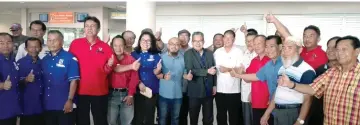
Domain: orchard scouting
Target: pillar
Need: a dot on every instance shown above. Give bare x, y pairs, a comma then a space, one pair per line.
140, 14
24, 20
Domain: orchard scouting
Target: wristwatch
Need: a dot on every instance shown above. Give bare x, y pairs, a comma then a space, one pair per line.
301, 121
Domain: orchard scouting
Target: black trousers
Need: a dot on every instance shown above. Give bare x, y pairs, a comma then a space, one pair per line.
258, 113
145, 109
316, 114
59, 118
195, 105
99, 108
184, 110
9, 121
32, 119
228, 103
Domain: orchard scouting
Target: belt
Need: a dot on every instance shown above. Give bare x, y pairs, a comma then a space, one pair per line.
287, 106
118, 89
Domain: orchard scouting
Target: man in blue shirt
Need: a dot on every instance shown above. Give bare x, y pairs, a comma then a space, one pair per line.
170, 90
32, 84
61, 74
269, 72
9, 101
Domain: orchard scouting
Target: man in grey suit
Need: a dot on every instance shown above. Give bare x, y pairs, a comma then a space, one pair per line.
201, 89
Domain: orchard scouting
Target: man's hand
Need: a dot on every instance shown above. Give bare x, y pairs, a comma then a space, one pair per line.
214, 90
212, 70
158, 66
224, 69
158, 34
243, 28
129, 100
142, 87
68, 107
240, 70
136, 65
264, 119
30, 77
167, 76
110, 62
270, 18
189, 76
233, 73
285, 81
7, 83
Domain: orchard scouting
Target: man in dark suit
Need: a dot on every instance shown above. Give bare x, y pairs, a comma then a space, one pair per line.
201, 89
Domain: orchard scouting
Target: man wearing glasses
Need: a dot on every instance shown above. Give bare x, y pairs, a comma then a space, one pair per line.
18, 37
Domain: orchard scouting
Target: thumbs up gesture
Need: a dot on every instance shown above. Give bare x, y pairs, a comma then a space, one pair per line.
30, 77
167, 76
7, 83
111, 61
158, 34
243, 28
212, 70
270, 18
136, 64
159, 66
285, 81
189, 76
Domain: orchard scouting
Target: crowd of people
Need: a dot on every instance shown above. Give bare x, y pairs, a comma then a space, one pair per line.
274, 80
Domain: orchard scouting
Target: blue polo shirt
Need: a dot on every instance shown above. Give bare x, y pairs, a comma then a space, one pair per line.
59, 70
172, 89
269, 73
31, 95
148, 63
9, 99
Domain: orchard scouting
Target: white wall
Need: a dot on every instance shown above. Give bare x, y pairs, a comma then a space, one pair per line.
8, 17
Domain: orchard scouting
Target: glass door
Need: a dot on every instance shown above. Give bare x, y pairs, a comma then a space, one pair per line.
69, 35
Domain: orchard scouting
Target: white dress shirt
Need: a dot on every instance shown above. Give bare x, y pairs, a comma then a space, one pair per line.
225, 82
22, 52
246, 87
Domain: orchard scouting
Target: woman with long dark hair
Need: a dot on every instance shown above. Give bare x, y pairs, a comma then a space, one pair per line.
150, 62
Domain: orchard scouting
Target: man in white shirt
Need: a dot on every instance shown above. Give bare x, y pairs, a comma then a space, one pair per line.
228, 88
37, 30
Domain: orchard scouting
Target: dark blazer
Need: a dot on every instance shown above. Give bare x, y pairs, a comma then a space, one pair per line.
196, 87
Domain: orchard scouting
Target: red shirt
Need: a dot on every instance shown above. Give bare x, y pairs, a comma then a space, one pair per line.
93, 66
259, 89
128, 79
315, 58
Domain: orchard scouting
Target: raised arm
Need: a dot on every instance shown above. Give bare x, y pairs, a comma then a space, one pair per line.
284, 32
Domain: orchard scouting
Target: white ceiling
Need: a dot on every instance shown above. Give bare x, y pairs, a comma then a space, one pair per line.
54, 5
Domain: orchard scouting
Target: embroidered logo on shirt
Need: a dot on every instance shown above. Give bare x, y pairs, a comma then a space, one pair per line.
99, 50
151, 58
60, 63
16, 66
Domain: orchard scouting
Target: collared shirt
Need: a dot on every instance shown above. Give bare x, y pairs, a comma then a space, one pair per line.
315, 57
259, 89
148, 63
93, 66
59, 70
22, 52
9, 100
127, 79
31, 95
269, 74
172, 89
246, 87
341, 92
208, 88
299, 72
225, 82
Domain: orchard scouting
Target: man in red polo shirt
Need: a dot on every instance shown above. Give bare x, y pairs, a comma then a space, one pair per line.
259, 90
96, 61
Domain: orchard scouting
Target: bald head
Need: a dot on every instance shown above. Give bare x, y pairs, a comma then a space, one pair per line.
173, 45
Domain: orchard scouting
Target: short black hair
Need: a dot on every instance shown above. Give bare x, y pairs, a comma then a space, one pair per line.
128, 31
251, 30
198, 33
231, 32
32, 39
333, 38
277, 39
184, 31
218, 34
355, 41
116, 37
95, 19
38, 22
6, 34
251, 34
263, 36
153, 48
315, 28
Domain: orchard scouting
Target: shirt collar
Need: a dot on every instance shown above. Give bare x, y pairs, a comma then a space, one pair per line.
298, 62
177, 56
351, 70
11, 57
314, 50
29, 57
58, 53
278, 60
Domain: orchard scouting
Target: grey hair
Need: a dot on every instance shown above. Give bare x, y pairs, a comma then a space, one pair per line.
197, 33
58, 33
